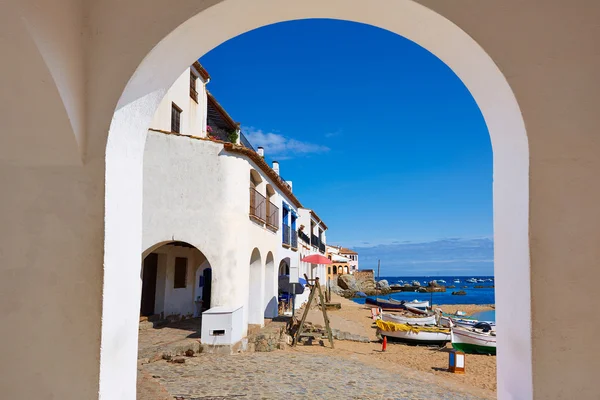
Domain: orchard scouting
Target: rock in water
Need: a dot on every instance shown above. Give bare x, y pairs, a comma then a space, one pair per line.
459, 293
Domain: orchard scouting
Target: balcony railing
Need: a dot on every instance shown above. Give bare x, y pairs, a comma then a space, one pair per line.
245, 142
304, 237
286, 234
294, 240
322, 247
258, 202
314, 241
272, 216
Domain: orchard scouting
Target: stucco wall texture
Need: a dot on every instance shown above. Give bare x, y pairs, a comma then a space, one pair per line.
71, 203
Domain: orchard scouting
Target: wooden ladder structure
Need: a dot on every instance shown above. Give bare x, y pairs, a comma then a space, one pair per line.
315, 289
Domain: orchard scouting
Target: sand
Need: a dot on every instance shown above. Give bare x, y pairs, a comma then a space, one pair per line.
480, 376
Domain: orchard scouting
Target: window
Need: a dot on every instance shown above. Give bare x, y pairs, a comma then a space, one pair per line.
329, 270
193, 91
180, 272
175, 118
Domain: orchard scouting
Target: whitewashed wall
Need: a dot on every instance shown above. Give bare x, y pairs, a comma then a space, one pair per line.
193, 114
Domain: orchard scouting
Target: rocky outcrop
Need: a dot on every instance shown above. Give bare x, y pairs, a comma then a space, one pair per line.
459, 293
383, 285
348, 282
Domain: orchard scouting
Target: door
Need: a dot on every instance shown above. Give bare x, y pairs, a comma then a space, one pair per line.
149, 285
207, 288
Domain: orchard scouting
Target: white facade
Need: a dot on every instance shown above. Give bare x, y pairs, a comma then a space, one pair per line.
197, 191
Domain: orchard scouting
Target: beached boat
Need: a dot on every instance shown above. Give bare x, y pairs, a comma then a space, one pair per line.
414, 334
463, 322
474, 340
404, 319
418, 304
386, 304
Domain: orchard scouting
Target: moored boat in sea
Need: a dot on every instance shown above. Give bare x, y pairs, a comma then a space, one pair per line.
407, 319
474, 340
414, 334
472, 280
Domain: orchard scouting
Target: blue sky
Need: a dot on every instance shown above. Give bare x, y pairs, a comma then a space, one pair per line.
379, 137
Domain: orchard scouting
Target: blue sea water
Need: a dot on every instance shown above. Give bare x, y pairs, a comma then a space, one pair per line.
473, 296
485, 315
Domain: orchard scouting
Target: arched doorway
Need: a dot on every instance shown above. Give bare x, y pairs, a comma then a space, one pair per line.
255, 295
176, 282
464, 56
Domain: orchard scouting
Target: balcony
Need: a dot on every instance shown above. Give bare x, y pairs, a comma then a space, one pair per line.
286, 235
258, 206
294, 240
314, 241
304, 237
322, 247
272, 216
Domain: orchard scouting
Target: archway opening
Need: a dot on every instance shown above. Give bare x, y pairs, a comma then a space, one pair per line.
464, 56
176, 288
256, 288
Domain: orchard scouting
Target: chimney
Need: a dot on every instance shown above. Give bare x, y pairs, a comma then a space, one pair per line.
289, 183
276, 167
261, 152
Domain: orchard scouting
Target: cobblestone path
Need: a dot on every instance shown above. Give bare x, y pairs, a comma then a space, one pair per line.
287, 375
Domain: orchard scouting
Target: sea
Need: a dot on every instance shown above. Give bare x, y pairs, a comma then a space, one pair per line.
474, 295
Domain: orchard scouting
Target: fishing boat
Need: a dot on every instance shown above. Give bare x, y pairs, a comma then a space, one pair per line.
457, 281
414, 334
472, 280
418, 304
463, 322
441, 281
474, 340
386, 304
406, 319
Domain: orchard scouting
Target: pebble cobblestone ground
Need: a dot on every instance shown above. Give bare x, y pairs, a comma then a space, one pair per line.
283, 375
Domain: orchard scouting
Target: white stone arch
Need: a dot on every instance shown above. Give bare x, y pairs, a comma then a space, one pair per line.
256, 288
212, 26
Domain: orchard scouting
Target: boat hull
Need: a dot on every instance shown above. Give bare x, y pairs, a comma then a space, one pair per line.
385, 304
473, 342
429, 320
417, 339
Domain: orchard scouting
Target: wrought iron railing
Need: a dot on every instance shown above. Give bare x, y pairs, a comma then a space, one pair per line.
272, 216
321, 247
286, 234
314, 241
294, 240
258, 208
304, 237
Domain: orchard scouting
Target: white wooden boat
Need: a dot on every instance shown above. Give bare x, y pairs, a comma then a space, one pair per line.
463, 322
403, 319
414, 334
457, 281
417, 304
474, 340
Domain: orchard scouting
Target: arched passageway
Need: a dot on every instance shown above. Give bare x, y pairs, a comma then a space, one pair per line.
479, 74
176, 282
270, 287
93, 311
255, 295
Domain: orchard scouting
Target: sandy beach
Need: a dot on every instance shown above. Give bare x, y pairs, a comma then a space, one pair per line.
480, 376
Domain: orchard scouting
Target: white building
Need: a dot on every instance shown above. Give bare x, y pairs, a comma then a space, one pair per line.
219, 224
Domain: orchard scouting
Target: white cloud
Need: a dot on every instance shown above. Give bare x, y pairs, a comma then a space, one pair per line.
279, 145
